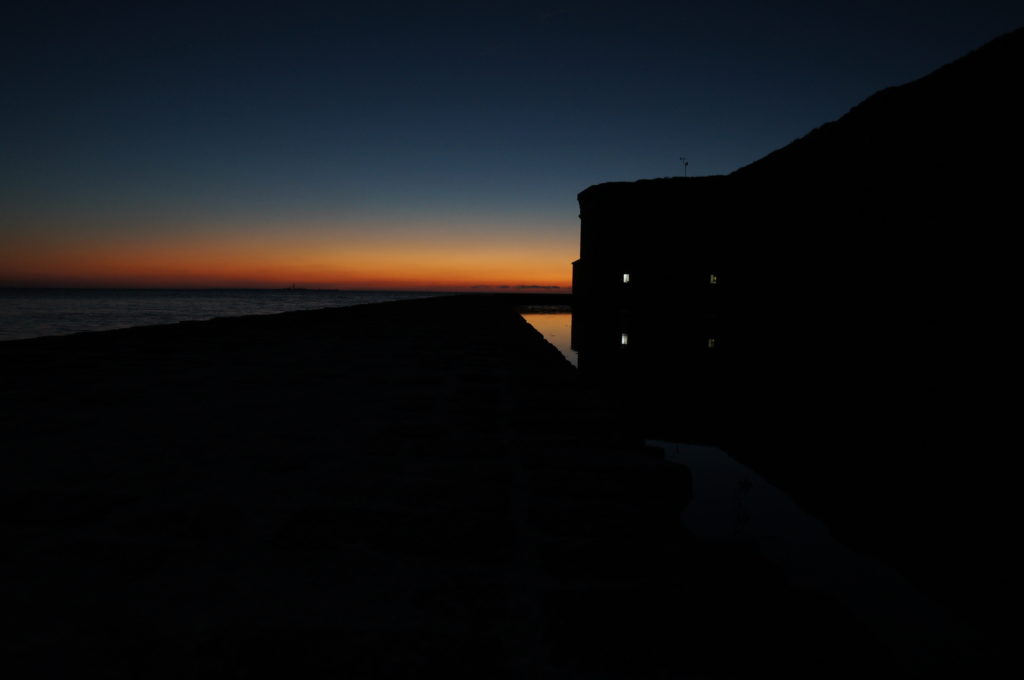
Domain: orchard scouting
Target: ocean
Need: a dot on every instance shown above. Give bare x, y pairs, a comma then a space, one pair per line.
33, 313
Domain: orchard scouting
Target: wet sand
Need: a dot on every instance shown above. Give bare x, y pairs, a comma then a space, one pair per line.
388, 490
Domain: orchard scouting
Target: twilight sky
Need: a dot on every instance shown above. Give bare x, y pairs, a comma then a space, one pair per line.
399, 144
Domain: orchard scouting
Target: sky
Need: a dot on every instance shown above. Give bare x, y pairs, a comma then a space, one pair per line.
402, 145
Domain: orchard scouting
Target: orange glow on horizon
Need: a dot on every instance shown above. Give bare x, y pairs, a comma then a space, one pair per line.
409, 262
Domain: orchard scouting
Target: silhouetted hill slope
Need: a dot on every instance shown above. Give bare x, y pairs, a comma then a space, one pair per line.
898, 219
962, 121
901, 212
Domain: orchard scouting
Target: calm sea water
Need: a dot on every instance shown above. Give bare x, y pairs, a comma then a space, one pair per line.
35, 313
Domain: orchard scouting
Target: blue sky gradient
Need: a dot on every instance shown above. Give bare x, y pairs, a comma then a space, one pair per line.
400, 120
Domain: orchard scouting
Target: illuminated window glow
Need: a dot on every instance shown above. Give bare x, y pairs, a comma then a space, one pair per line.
711, 343
625, 338
625, 279
714, 279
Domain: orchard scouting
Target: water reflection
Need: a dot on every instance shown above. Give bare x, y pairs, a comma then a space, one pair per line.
731, 503
555, 324
674, 370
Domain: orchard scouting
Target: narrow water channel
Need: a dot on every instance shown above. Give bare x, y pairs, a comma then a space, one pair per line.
731, 503
556, 327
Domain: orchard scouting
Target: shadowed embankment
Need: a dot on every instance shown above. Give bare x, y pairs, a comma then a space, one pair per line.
376, 491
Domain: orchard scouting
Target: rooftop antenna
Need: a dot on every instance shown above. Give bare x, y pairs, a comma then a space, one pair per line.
685, 164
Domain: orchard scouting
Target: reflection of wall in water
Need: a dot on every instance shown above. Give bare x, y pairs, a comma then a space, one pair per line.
663, 366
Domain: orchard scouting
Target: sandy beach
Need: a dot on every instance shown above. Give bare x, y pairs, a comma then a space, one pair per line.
385, 490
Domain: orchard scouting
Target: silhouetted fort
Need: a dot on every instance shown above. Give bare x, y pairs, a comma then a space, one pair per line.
840, 307
913, 174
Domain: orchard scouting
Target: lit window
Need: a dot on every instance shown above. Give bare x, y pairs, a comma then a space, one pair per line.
714, 279
625, 278
625, 338
711, 343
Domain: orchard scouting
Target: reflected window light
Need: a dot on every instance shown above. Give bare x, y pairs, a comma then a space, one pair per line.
625, 279
711, 343
714, 279
625, 338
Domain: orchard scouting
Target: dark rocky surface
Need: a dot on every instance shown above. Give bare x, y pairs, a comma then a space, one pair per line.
381, 491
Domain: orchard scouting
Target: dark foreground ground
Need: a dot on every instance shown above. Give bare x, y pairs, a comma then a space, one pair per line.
383, 491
